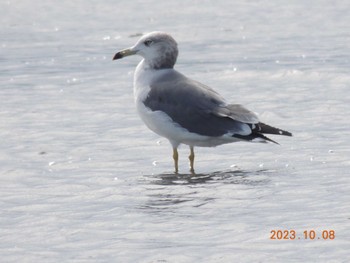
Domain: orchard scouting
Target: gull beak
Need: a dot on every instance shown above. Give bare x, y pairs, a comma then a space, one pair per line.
124, 53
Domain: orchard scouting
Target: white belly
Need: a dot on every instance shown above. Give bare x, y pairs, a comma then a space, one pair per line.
163, 125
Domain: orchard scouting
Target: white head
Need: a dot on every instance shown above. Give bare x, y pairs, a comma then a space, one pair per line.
157, 48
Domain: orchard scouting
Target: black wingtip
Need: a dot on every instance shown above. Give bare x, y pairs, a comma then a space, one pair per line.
264, 128
117, 56
267, 139
285, 133
255, 137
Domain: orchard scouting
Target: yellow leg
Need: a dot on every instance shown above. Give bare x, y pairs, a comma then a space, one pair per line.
176, 160
191, 157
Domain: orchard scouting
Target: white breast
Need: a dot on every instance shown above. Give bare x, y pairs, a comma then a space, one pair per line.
156, 121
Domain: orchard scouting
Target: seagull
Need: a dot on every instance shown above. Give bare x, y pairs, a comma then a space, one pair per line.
183, 110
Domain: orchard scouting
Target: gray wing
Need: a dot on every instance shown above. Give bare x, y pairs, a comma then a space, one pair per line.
239, 113
196, 107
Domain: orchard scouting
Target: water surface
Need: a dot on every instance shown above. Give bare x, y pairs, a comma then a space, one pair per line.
83, 180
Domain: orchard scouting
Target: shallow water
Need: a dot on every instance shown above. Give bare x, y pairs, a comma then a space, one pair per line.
83, 180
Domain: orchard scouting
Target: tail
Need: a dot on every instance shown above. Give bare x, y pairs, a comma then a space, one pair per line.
258, 131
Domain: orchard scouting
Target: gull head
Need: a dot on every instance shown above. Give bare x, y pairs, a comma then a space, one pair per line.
158, 49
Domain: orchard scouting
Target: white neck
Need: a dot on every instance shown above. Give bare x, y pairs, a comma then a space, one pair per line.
142, 80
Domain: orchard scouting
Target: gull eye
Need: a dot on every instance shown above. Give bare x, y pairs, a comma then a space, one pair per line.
148, 42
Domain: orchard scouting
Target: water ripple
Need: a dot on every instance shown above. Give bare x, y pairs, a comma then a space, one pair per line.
226, 177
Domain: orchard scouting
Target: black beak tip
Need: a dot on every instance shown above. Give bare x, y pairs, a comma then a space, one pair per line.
117, 56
